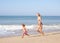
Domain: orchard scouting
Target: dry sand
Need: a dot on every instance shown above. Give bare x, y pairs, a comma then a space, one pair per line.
48, 38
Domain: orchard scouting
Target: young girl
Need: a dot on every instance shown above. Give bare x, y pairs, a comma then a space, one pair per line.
39, 24
24, 31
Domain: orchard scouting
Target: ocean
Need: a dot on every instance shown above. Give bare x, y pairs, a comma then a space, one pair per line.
11, 25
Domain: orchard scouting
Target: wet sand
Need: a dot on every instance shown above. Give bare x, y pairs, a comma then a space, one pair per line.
53, 37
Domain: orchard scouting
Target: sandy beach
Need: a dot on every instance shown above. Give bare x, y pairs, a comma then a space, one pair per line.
53, 37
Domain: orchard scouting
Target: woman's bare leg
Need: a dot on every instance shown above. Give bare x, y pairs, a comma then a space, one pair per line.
41, 30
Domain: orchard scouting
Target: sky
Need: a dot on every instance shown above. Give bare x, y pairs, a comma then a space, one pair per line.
29, 7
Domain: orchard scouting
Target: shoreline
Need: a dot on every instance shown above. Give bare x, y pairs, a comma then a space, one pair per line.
36, 33
46, 34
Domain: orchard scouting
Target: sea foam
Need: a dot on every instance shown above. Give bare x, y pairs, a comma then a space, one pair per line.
15, 27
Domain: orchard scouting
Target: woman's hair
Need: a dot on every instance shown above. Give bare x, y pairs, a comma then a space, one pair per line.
23, 25
38, 14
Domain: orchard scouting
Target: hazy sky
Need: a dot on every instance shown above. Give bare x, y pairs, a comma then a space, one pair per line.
30, 7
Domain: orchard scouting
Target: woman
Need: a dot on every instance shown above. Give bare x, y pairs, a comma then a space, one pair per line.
39, 19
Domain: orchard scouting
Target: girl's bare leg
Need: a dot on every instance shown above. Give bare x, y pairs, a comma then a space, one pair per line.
23, 35
27, 34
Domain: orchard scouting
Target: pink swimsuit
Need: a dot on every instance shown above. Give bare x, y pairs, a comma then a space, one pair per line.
25, 33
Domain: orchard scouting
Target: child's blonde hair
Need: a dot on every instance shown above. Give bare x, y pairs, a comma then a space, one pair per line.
23, 25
